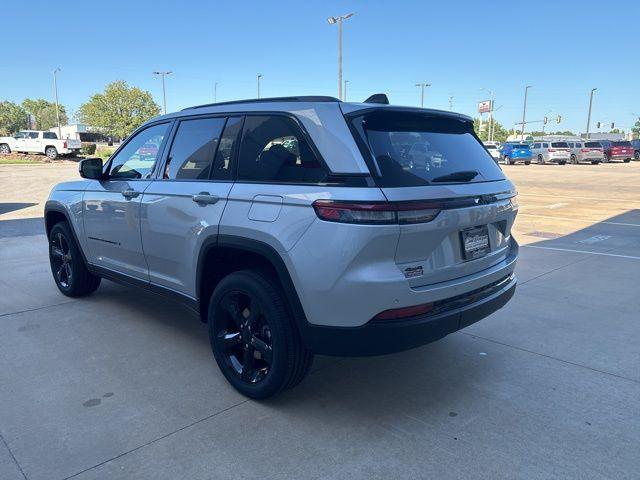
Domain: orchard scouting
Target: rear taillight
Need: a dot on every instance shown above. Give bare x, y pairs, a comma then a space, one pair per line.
376, 213
64, 145
585, 150
552, 150
405, 312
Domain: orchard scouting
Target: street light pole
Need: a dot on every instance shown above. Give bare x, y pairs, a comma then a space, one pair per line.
345, 90
332, 21
589, 115
422, 87
524, 112
258, 80
55, 93
164, 91
215, 92
490, 132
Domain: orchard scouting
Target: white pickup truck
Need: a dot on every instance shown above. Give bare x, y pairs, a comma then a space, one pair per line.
38, 141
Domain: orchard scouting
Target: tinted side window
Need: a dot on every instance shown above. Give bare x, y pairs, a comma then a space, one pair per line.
222, 166
33, 134
137, 157
193, 149
274, 150
50, 135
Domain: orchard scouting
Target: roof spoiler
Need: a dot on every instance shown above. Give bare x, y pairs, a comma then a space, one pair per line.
380, 98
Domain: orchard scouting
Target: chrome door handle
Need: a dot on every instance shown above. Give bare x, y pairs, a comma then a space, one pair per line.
130, 193
204, 198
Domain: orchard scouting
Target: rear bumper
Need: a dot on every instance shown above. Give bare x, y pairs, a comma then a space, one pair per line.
383, 337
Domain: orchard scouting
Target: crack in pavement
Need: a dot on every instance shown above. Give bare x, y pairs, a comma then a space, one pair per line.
6, 445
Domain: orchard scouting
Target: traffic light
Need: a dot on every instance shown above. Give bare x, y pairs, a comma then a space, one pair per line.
613, 125
558, 119
545, 120
599, 124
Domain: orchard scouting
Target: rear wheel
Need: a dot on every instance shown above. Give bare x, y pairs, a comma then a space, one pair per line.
4, 148
51, 152
627, 160
595, 162
574, 159
527, 162
606, 158
253, 337
562, 162
540, 160
636, 156
67, 265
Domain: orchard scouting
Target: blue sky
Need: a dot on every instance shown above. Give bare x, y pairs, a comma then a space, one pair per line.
561, 48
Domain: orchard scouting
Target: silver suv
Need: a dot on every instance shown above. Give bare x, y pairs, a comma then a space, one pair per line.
545, 151
296, 226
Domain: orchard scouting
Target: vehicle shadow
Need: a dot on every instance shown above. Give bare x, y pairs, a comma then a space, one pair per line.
22, 226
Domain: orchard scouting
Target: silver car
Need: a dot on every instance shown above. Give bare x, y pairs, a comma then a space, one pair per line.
556, 152
586, 152
296, 226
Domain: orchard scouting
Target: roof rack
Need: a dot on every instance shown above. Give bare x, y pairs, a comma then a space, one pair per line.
309, 98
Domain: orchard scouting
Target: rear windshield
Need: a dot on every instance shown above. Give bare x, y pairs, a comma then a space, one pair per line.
413, 149
491, 147
521, 145
621, 144
560, 145
593, 145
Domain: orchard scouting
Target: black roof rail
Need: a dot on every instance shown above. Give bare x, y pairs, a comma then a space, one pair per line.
309, 98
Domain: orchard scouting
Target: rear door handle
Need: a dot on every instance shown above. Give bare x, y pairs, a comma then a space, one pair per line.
130, 193
204, 198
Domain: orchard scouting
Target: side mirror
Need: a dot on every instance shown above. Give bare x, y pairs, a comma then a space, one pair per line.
91, 168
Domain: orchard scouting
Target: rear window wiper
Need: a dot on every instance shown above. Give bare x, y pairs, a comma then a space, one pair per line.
461, 176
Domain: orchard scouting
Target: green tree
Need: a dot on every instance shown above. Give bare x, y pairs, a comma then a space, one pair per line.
45, 113
12, 118
500, 134
636, 128
119, 110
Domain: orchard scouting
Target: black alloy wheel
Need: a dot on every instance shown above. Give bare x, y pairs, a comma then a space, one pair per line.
61, 257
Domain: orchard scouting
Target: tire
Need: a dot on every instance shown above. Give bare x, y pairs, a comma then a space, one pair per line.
605, 158
4, 148
253, 337
574, 159
636, 156
51, 152
627, 160
67, 265
562, 162
595, 162
527, 162
540, 160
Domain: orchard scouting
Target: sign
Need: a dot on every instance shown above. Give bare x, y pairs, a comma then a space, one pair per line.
484, 107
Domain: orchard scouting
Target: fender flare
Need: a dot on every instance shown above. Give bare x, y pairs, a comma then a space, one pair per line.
58, 208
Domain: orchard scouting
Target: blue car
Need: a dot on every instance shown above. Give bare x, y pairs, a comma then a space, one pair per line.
512, 152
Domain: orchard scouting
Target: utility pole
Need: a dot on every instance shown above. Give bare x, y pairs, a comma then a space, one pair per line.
345, 90
164, 91
589, 115
55, 93
450, 102
333, 21
524, 112
422, 87
215, 92
258, 80
490, 132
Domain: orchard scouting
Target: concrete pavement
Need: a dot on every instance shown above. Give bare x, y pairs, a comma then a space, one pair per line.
122, 384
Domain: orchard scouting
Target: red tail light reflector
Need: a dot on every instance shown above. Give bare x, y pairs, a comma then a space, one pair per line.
64, 145
405, 312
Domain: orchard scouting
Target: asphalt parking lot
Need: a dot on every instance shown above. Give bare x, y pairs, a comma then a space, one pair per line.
122, 384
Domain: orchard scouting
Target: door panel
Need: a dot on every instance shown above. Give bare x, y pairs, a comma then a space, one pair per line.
112, 226
182, 210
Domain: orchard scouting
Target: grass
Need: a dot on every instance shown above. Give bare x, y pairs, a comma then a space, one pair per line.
9, 160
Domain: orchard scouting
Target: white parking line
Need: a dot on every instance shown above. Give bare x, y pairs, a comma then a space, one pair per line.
604, 254
579, 220
608, 200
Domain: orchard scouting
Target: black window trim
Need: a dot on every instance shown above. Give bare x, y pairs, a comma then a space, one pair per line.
157, 174
161, 151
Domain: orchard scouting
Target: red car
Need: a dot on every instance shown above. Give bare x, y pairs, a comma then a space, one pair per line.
148, 150
619, 150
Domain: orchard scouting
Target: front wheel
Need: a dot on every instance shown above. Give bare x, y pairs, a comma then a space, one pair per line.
4, 148
562, 162
527, 162
636, 156
67, 265
51, 152
252, 335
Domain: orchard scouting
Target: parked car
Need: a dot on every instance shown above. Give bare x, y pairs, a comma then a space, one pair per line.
636, 149
558, 152
513, 152
494, 150
586, 152
330, 246
38, 141
617, 150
